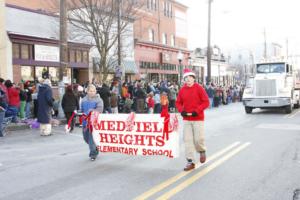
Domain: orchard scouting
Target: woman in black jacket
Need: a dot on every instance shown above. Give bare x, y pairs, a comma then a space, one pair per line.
69, 104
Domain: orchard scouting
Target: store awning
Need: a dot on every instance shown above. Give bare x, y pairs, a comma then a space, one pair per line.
130, 66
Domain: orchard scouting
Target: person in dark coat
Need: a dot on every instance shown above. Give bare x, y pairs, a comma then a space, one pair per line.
140, 96
69, 104
105, 94
45, 104
28, 91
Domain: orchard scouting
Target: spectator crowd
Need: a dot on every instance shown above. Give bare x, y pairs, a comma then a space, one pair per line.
28, 100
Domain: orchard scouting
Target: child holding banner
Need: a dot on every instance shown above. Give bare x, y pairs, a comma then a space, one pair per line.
191, 102
91, 102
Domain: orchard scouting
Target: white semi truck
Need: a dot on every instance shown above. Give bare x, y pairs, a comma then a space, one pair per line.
274, 85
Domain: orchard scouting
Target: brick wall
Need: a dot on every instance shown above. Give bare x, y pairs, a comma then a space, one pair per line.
16, 74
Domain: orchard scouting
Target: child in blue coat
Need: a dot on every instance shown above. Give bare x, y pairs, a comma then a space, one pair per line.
91, 102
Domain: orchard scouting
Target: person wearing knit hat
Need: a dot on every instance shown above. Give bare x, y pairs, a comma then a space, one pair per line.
191, 102
188, 72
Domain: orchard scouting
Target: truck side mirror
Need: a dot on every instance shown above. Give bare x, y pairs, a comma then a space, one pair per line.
287, 68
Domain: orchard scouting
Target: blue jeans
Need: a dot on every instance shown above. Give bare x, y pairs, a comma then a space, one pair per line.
27, 110
88, 138
2, 114
12, 111
211, 102
108, 110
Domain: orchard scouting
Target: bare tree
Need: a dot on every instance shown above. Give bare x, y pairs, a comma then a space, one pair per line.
96, 21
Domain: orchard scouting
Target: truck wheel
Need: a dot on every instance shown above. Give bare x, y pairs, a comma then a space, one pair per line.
288, 109
296, 105
248, 110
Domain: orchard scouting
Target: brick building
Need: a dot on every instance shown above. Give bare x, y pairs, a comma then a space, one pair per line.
160, 37
32, 44
160, 34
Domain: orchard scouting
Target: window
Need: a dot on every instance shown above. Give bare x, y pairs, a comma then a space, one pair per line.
27, 73
151, 35
78, 56
54, 75
72, 56
151, 4
16, 50
164, 39
85, 57
38, 72
24, 51
172, 40
270, 68
168, 10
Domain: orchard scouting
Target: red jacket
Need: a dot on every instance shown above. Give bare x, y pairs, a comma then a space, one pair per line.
14, 96
150, 102
192, 99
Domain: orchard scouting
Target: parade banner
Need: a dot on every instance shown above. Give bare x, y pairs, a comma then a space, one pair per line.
136, 134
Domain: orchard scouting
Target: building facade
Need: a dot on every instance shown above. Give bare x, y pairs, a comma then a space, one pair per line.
33, 43
160, 34
34, 46
221, 71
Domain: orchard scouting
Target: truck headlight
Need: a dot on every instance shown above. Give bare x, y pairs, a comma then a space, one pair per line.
248, 90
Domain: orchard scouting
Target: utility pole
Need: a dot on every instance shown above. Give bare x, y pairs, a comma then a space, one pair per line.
287, 48
208, 79
265, 44
63, 51
120, 42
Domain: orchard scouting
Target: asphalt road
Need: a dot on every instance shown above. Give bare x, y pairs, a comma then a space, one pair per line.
250, 157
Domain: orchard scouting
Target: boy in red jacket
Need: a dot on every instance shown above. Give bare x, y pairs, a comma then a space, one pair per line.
191, 102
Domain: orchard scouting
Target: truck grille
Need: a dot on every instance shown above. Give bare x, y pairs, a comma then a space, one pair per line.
265, 87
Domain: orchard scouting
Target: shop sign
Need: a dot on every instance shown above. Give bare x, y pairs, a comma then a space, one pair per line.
135, 134
166, 57
46, 53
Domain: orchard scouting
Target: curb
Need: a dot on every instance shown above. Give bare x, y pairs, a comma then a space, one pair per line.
22, 126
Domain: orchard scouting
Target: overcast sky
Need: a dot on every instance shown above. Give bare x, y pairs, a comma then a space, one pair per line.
238, 23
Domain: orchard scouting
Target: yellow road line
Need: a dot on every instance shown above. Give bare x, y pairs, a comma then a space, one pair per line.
175, 178
203, 172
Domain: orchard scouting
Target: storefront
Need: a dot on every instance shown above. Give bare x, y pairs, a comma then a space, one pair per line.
160, 62
35, 58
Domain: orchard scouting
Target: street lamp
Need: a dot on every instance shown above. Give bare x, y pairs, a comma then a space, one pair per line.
180, 58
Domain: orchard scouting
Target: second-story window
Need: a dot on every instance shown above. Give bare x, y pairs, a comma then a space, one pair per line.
152, 4
168, 10
151, 35
164, 39
172, 40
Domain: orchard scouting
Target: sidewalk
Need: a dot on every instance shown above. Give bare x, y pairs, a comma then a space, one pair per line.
22, 125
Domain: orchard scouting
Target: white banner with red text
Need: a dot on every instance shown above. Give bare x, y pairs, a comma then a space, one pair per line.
136, 134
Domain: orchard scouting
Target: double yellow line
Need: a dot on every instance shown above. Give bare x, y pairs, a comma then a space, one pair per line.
195, 177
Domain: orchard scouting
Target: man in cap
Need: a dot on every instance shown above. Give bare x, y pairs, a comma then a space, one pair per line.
191, 102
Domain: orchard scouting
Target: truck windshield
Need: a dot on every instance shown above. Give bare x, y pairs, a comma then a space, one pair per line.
270, 68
